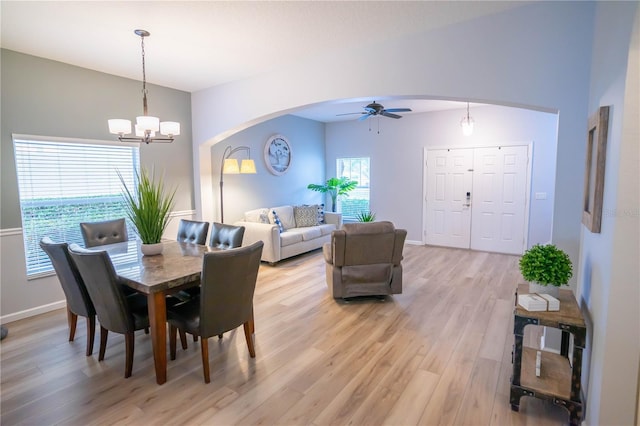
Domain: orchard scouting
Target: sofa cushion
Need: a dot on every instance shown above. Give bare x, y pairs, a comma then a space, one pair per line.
257, 215
276, 221
327, 228
310, 233
285, 214
305, 216
290, 237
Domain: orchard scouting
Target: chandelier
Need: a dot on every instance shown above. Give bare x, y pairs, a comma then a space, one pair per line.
467, 123
146, 125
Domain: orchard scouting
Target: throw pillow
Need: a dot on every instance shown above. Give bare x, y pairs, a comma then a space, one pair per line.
276, 220
320, 208
257, 215
305, 216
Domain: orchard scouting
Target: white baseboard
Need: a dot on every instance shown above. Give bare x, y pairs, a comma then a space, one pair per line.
33, 312
414, 242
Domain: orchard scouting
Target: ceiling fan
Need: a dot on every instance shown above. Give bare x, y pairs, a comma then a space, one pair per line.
375, 108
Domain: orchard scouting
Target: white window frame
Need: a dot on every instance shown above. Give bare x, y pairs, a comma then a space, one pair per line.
64, 226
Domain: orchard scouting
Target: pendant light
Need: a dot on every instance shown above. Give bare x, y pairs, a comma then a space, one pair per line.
146, 126
467, 123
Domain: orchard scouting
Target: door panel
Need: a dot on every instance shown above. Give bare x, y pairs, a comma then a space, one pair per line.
449, 178
500, 179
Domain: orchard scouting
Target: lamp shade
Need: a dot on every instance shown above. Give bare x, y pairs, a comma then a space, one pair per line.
467, 126
119, 126
141, 132
248, 167
170, 128
230, 166
148, 122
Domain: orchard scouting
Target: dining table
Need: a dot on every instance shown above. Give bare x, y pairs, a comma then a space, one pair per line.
178, 267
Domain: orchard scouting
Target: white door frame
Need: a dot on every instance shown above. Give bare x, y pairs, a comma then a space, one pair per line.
527, 201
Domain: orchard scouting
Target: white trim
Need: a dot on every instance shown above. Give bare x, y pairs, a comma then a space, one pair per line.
182, 213
53, 139
414, 242
10, 231
27, 313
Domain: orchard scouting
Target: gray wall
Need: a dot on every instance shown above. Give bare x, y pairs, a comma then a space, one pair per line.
397, 155
608, 270
48, 98
247, 192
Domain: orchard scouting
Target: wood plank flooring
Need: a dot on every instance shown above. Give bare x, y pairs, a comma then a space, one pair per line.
438, 354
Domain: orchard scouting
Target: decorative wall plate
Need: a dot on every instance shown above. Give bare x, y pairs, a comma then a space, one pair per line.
277, 155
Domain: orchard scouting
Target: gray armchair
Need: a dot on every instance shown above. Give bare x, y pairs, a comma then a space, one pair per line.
102, 233
228, 282
78, 300
192, 231
364, 259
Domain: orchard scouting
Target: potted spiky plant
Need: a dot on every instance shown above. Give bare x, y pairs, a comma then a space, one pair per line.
366, 217
546, 267
335, 187
148, 206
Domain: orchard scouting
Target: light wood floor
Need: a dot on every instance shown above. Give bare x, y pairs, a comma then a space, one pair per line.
440, 353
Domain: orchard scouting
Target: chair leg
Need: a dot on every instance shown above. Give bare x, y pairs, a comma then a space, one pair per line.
146, 330
183, 339
195, 338
91, 333
249, 337
72, 320
219, 336
103, 342
172, 341
129, 344
204, 349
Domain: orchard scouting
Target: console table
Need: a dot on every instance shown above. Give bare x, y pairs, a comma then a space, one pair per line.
559, 381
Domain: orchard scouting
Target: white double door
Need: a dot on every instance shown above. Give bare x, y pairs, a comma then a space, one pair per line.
477, 198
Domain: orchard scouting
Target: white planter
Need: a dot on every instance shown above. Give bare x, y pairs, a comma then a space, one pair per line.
552, 290
151, 249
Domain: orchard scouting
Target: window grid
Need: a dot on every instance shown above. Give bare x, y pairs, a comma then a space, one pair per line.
62, 183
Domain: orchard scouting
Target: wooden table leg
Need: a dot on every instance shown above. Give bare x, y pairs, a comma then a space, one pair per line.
157, 320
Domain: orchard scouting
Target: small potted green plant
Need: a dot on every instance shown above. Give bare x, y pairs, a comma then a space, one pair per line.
546, 267
366, 217
148, 206
335, 187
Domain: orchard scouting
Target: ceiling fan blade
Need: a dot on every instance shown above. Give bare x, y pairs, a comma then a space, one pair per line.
388, 114
398, 110
351, 113
364, 117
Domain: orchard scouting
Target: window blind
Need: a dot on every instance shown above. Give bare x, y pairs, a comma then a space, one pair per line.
64, 182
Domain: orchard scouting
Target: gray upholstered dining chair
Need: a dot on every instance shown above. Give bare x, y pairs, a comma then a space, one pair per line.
78, 300
222, 237
116, 312
228, 282
102, 233
226, 236
192, 231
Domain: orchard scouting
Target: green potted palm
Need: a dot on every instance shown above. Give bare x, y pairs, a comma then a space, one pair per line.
148, 206
335, 187
546, 267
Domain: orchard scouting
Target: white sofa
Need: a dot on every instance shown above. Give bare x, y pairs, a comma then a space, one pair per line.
295, 238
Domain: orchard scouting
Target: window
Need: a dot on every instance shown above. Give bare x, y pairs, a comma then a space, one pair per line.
63, 182
358, 200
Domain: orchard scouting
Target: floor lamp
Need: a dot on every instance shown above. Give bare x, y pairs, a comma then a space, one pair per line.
230, 166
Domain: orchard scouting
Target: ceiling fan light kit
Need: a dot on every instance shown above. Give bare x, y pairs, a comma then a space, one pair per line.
467, 123
375, 109
146, 126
